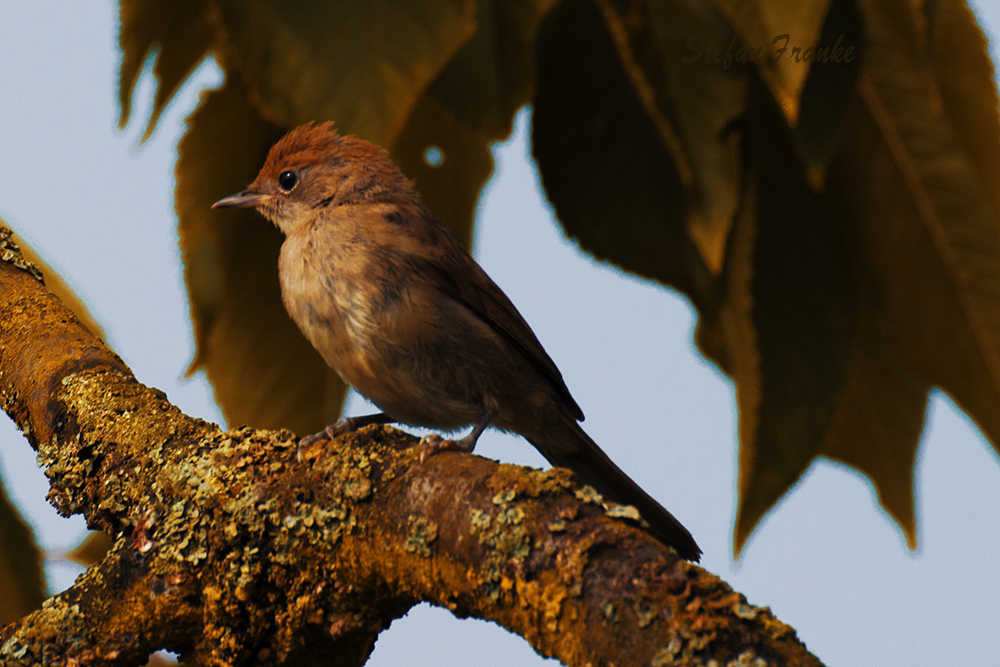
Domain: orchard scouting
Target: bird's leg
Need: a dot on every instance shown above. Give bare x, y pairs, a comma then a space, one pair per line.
343, 425
433, 443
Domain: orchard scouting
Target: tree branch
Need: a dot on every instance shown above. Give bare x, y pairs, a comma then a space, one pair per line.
234, 550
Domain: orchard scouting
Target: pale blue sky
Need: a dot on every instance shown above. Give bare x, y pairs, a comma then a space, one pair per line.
828, 561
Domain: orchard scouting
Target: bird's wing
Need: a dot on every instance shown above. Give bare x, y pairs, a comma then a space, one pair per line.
458, 276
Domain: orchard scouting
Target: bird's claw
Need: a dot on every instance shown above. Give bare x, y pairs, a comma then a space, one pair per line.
432, 443
329, 433
343, 425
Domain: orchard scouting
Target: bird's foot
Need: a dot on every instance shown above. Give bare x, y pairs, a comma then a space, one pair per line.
343, 425
433, 443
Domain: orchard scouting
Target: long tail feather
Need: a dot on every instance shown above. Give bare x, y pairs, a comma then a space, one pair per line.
594, 467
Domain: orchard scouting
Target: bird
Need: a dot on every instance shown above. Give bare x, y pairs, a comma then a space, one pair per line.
397, 306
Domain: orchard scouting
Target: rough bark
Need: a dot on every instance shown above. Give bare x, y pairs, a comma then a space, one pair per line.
234, 549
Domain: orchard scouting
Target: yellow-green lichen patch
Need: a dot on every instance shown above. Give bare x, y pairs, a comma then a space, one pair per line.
683, 648
535, 483
627, 513
616, 511
513, 481
589, 494
507, 539
422, 532
67, 475
120, 426
745, 611
504, 497
747, 659
711, 618
10, 252
309, 525
57, 618
214, 493
645, 615
610, 612
479, 520
666, 655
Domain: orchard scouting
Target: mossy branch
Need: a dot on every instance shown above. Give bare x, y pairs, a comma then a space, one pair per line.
233, 549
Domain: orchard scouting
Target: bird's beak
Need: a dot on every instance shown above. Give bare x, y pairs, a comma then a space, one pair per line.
244, 199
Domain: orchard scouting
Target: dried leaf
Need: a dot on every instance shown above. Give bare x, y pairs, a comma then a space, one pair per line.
776, 28
790, 318
22, 578
91, 549
362, 65
614, 185
471, 104
177, 34
935, 248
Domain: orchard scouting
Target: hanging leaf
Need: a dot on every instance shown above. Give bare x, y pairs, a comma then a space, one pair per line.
790, 317
362, 65
22, 579
177, 34
445, 146
693, 99
614, 185
829, 90
786, 33
91, 549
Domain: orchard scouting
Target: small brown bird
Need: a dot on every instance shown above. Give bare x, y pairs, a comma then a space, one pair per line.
395, 304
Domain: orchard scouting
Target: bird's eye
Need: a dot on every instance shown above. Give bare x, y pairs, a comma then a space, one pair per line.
287, 180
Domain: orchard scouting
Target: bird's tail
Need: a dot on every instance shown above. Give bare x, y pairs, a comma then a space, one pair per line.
593, 467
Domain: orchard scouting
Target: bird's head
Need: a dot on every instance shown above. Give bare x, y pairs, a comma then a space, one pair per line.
313, 168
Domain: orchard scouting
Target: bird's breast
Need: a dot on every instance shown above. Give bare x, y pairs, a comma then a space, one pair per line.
363, 312
384, 329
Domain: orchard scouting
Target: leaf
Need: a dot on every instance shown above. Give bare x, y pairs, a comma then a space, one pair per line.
773, 25
946, 261
469, 105
614, 185
91, 550
692, 99
362, 65
177, 34
262, 369
22, 578
492, 75
790, 317
914, 179
880, 415
829, 89
966, 78
915, 190
451, 188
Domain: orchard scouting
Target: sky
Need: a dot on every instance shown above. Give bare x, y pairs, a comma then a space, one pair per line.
828, 561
